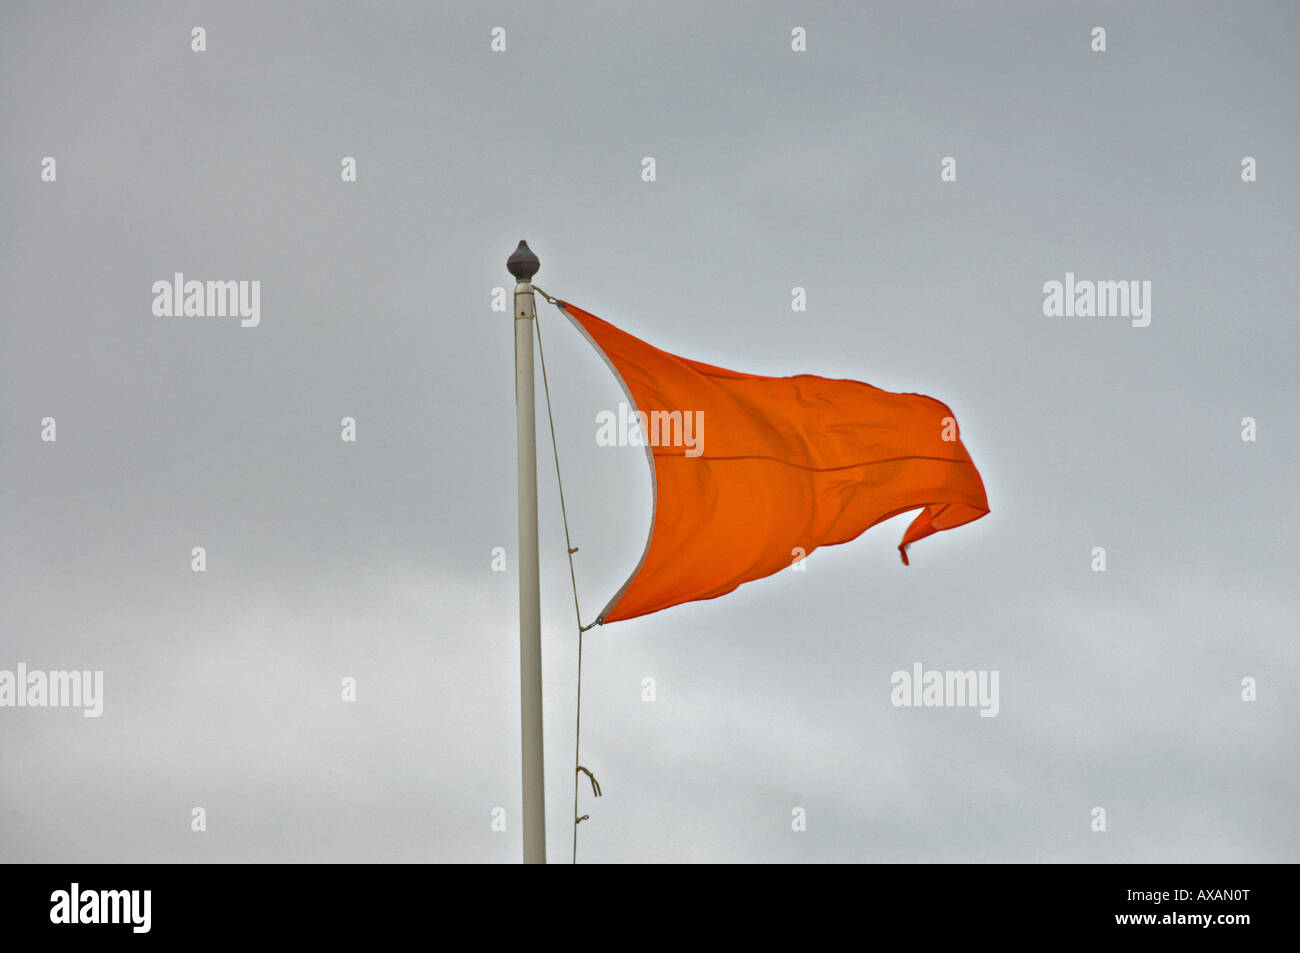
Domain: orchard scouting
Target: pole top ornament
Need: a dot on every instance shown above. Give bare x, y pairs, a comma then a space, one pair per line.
523, 264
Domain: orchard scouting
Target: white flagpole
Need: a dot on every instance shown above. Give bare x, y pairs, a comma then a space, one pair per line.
523, 264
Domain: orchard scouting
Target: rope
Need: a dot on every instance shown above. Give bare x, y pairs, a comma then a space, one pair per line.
573, 579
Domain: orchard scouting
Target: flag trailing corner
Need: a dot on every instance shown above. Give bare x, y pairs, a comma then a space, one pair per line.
751, 473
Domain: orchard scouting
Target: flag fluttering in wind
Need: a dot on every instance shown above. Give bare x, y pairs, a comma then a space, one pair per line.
750, 473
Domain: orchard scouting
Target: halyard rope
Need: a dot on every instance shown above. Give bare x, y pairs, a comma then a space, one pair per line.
568, 545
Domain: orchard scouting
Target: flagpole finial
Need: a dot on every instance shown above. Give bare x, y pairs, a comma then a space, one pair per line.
523, 264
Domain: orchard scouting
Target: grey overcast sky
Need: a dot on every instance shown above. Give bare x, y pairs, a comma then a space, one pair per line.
775, 169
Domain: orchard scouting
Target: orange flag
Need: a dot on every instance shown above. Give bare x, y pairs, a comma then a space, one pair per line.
749, 472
